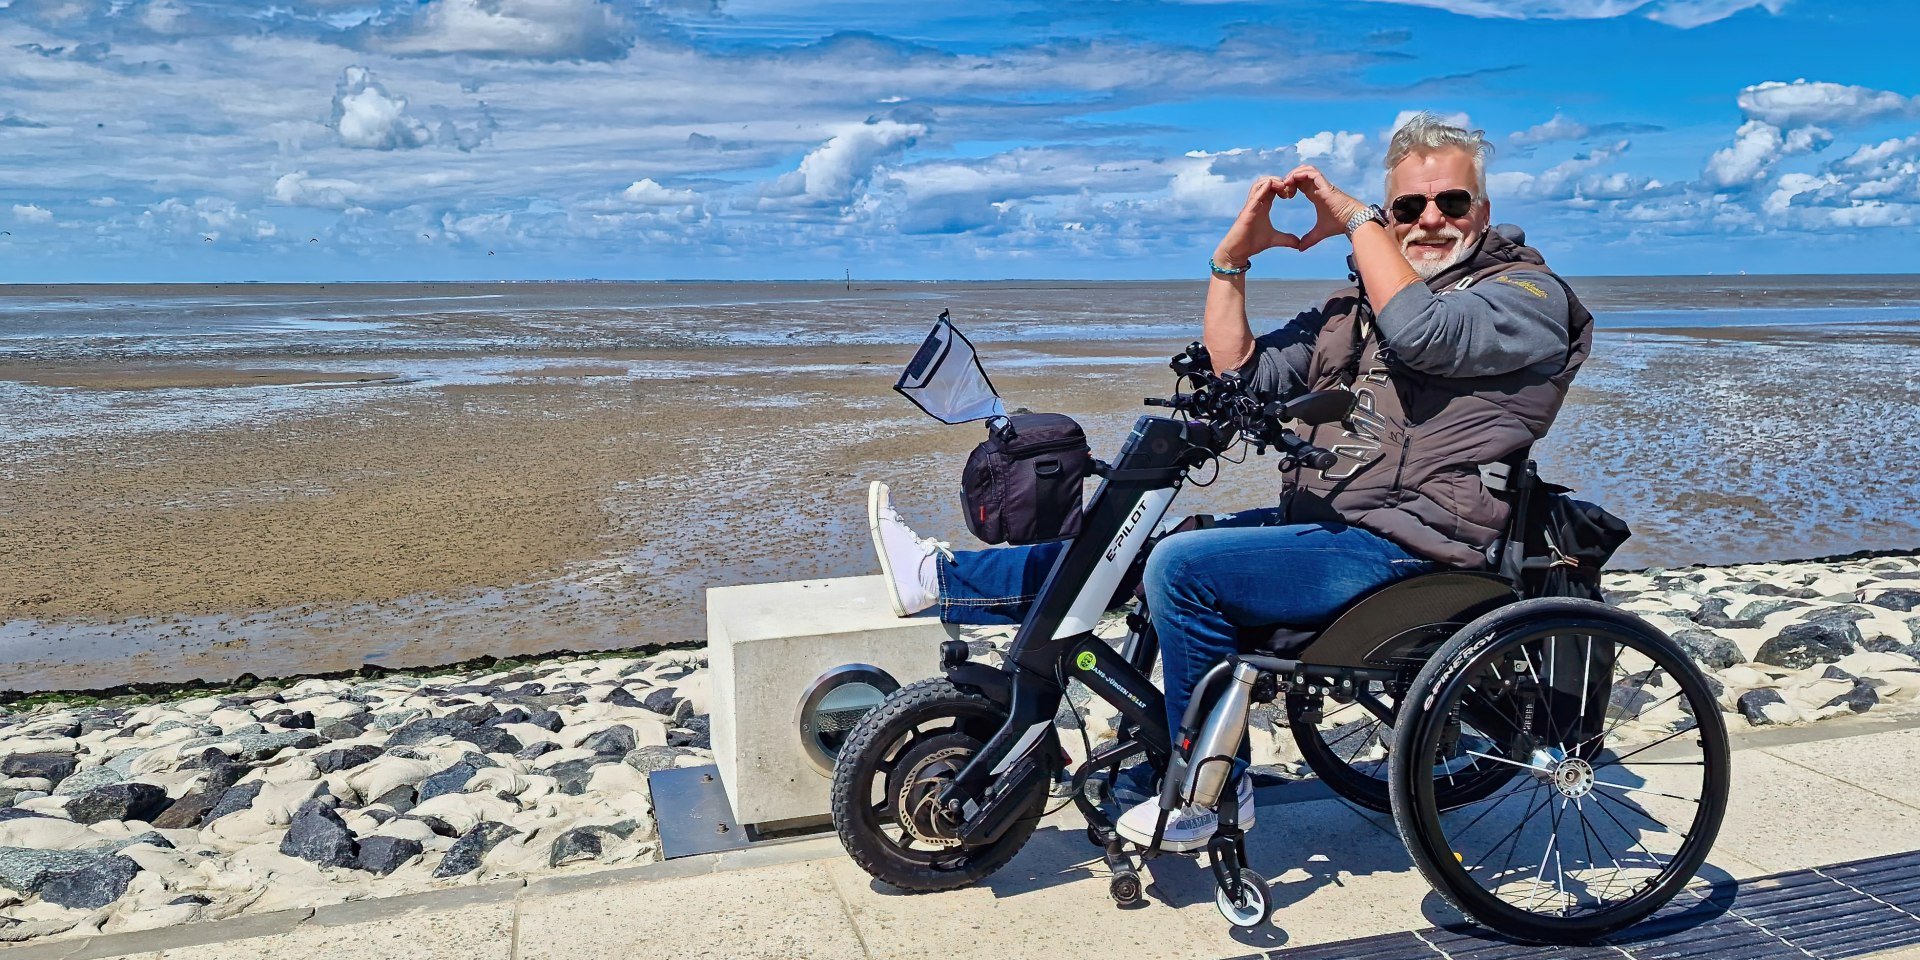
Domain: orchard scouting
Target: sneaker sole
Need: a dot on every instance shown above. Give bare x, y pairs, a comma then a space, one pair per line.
876, 502
1166, 847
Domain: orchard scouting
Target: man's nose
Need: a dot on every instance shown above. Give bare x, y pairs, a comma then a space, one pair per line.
1431, 218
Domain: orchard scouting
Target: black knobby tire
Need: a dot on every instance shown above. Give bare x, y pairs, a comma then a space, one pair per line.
1698, 736
888, 733
1338, 764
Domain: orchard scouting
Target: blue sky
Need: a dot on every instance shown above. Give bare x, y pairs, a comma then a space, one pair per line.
155, 140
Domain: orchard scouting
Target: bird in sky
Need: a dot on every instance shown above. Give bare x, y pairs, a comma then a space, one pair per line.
207, 239
313, 239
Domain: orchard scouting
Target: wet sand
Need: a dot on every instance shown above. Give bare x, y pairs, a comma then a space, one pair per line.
584, 496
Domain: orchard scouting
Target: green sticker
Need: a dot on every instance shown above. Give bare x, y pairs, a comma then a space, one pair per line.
1085, 660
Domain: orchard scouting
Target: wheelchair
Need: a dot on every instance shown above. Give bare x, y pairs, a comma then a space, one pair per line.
1557, 768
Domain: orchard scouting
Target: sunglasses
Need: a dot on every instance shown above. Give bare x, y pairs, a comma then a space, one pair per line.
1452, 203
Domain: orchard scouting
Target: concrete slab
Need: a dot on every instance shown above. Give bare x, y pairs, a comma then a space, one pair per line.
480, 932
1782, 816
1886, 764
767, 644
779, 913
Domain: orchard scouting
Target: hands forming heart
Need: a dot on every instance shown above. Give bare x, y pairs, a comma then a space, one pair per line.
1253, 230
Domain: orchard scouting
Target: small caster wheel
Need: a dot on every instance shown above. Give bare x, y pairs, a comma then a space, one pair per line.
1124, 888
1248, 907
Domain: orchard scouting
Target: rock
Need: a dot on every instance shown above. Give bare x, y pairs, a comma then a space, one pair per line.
451, 780
488, 739
334, 761
534, 751
318, 835
697, 732
615, 741
580, 843
662, 701
649, 759
509, 715
188, 811
548, 720
117, 801
478, 714
1629, 697
1774, 590
260, 746
1712, 650
1835, 673
1753, 705
384, 855
122, 764
87, 779
51, 767
1881, 643
466, 853
237, 798
1897, 599
1712, 613
1805, 644
1860, 699
1759, 609
91, 887
400, 799
24, 869
339, 730
571, 777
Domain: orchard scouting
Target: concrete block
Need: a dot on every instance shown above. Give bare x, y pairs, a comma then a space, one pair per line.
766, 644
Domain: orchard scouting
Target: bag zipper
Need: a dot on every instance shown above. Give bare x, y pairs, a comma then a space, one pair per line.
1013, 448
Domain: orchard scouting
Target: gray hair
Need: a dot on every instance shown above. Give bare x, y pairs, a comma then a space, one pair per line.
1424, 133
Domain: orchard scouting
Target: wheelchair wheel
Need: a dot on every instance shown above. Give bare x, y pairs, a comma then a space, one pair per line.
1620, 761
1348, 748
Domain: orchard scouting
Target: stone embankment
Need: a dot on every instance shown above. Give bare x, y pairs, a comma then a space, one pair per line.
121, 818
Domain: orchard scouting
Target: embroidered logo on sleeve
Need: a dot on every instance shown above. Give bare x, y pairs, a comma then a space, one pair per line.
1527, 285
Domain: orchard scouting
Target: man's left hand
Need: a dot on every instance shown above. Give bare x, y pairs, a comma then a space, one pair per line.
1332, 204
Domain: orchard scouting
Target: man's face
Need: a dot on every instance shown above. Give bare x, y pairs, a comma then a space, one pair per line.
1436, 241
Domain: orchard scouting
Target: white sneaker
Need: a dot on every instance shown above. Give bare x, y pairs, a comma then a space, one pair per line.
1188, 829
906, 559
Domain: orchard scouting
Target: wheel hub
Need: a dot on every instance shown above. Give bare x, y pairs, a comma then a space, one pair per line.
917, 801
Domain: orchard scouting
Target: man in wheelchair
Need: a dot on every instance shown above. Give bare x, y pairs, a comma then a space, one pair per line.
1458, 343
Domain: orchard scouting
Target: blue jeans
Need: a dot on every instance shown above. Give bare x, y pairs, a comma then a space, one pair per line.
1202, 586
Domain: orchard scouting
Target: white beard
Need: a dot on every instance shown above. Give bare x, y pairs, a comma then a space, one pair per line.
1426, 268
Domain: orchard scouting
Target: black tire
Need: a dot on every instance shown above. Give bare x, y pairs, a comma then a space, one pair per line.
931, 712
1570, 733
1352, 757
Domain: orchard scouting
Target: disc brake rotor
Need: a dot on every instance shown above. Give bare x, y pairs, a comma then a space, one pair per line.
925, 770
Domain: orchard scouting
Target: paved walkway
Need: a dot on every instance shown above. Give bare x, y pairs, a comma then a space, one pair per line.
1797, 803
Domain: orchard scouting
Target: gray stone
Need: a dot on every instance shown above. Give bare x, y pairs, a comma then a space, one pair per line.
117, 801
1805, 644
384, 855
649, 759
548, 720
187, 812
580, 843
488, 739
331, 730
319, 835
1760, 609
1712, 613
1712, 650
122, 762
400, 799
571, 777
1898, 599
260, 746
1771, 590
477, 714
621, 698
663, 701
534, 751
1860, 699
696, 732
86, 779
395, 719
236, 798
613, 741
334, 761
91, 887
509, 715
51, 767
24, 869
466, 854
451, 780
1753, 705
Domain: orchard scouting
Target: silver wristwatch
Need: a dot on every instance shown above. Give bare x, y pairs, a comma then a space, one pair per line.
1371, 212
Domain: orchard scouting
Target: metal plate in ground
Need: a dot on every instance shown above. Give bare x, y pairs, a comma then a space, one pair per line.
690, 806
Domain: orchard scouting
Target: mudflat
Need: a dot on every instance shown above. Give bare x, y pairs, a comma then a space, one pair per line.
449, 481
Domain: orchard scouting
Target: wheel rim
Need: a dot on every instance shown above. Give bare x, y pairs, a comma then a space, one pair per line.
1618, 754
897, 780
1246, 909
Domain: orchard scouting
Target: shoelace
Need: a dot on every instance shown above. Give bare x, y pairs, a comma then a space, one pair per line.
930, 544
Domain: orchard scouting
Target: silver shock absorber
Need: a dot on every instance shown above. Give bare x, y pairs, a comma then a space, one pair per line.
1219, 739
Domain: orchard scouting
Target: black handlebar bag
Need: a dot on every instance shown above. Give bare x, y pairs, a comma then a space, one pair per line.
1023, 483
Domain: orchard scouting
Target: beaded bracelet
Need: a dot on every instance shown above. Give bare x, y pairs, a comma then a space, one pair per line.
1228, 271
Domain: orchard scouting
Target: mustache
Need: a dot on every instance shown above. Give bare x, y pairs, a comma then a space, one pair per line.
1422, 235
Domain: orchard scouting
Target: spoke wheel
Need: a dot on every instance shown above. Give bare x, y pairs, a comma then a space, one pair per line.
1620, 761
892, 765
1348, 750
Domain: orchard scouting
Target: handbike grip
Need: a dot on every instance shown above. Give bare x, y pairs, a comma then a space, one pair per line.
1306, 453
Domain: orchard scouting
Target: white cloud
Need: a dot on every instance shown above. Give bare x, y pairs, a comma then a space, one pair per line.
1791, 185
829, 174
103, 202
1562, 181
1810, 102
1685, 14
205, 218
298, 189
30, 213
366, 117
647, 193
1756, 146
536, 29
1558, 128
1874, 213
1337, 154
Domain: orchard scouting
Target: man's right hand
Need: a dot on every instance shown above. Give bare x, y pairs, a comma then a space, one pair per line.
1253, 231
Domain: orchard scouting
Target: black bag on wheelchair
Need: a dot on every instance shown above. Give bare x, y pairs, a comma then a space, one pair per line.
1023, 483
1571, 540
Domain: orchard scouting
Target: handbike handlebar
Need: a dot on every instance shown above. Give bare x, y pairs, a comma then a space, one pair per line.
1306, 454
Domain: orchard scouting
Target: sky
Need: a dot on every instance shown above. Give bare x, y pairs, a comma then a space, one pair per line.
314, 140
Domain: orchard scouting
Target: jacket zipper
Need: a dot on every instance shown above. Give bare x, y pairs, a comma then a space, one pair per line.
1406, 440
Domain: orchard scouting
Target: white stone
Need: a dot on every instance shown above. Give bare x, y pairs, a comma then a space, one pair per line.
767, 643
